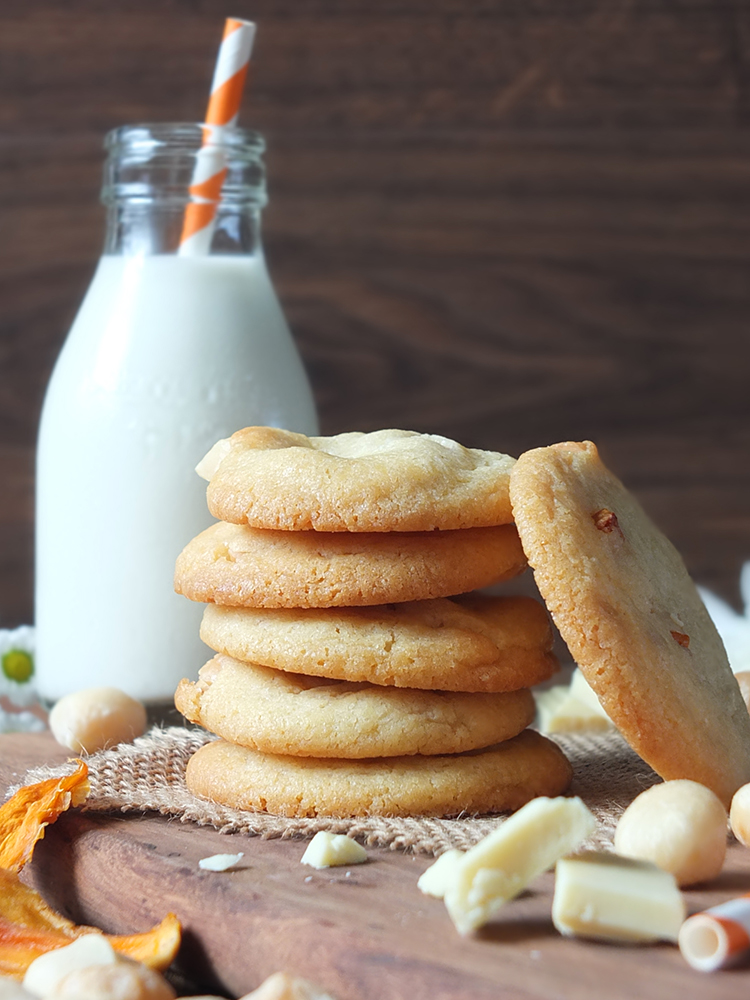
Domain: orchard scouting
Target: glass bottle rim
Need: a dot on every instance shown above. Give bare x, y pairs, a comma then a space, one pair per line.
186, 135
149, 164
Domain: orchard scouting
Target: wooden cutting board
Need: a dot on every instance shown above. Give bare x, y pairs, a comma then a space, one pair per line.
362, 933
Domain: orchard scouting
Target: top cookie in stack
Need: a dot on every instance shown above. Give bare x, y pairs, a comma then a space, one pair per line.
335, 558
350, 520
387, 480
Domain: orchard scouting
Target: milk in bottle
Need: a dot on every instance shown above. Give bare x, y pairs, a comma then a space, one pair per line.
167, 354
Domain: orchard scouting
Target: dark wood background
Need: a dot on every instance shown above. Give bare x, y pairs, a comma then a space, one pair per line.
508, 221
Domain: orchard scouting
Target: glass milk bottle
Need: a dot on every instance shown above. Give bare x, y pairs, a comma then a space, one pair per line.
167, 354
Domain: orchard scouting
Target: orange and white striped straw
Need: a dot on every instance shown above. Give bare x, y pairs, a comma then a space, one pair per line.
717, 938
223, 109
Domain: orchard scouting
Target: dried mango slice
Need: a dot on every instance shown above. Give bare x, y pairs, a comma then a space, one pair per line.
25, 815
29, 928
155, 948
23, 909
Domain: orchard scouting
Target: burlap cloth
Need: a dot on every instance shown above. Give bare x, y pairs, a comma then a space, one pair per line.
149, 776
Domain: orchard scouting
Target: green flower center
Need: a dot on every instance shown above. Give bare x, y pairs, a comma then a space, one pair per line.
18, 665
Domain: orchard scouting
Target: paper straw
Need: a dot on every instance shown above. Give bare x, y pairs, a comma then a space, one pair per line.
223, 109
717, 938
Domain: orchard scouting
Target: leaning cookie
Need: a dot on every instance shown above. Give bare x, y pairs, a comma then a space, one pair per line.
283, 713
473, 643
387, 480
632, 618
235, 565
499, 779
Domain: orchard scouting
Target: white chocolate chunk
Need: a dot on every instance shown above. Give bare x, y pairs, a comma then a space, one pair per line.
209, 464
94, 718
46, 972
611, 898
326, 850
436, 880
503, 864
573, 709
572, 716
581, 690
547, 703
220, 862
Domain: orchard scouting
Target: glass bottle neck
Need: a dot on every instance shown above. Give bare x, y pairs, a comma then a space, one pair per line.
183, 189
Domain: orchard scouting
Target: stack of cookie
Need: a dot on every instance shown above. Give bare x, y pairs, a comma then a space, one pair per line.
349, 679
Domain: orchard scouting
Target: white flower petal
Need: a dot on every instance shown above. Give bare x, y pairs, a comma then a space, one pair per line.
724, 616
23, 637
733, 628
745, 588
20, 722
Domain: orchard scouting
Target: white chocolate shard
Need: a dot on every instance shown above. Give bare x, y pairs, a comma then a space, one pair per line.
571, 709
611, 898
209, 464
548, 701
581, 690
220, 862
326, 850
436, 879
502, 865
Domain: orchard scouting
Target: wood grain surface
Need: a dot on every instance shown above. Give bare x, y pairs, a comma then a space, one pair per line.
509, 223
363, 933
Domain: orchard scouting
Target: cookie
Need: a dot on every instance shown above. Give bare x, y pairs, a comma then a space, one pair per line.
495, 780
632, 618
283, 713
235, 565
388, 480
474, 643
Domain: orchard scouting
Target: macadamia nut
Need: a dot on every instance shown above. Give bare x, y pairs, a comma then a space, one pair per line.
96, 718
11, 989
681, 826
282, 986
45, 972
123, 981
739, 815
279, 986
